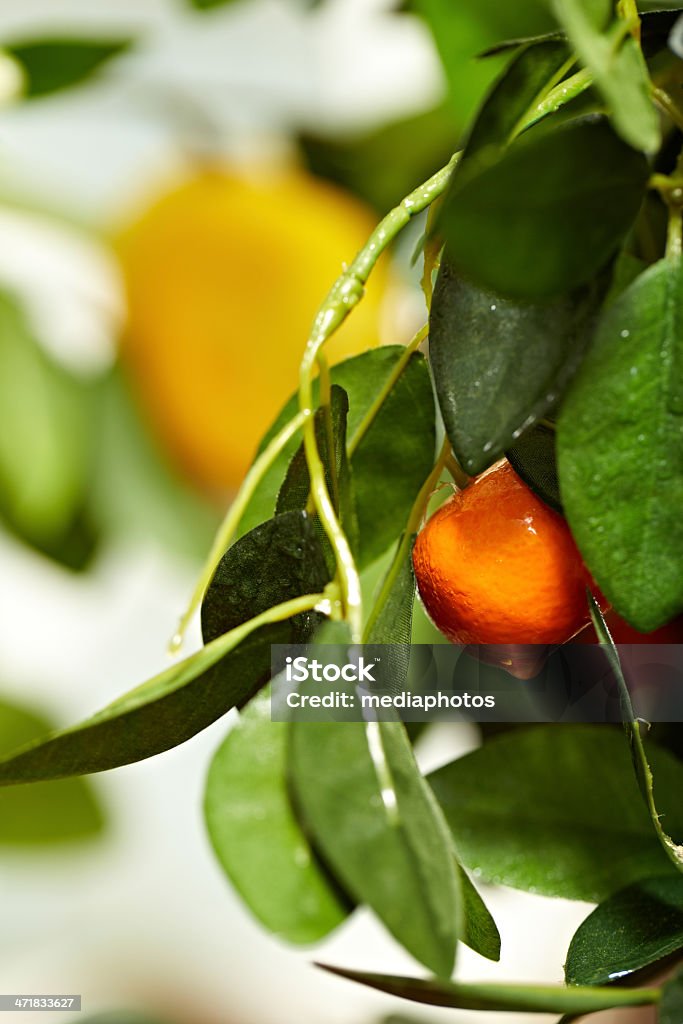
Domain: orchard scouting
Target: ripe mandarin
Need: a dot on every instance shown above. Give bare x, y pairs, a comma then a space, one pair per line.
495, 565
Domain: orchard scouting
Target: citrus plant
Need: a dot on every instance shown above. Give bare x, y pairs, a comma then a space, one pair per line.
553, 281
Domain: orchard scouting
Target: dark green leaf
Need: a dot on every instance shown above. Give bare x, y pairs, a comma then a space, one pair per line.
278, 561
556, 810
533, 458
498, 364
53, 64
480, 932
509, 106
521, 998
391, 618
394, 457
330, 431
620, 451
45, 443
531, 235
634, 928
618, 69
49, 812
671, 1005
256, 836
376, 822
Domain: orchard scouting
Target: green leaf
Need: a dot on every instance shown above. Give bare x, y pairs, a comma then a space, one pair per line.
533, 458
480, 931
377, 824
671, 1004
392, 615
618, 69
531, 241
521, 998
499, 365
45, 443
277, 562
509, 106
632, 727
634, 928
620, 451
256, 836
392, 460
556, 810
330, 431
53, 64
49, 812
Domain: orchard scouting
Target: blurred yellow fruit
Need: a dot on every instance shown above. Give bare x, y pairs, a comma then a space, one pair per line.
224, 276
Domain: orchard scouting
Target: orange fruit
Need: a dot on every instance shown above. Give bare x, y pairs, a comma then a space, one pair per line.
495, 565
224, 275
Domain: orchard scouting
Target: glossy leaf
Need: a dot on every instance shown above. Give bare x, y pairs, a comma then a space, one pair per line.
58, 63
510, 106
499, 365
45, 442
49, 812
618, 69
257, 837
492, 997
278, 561
376, 823
634, 928
620, 451
389, 465
533, 458
556, 810
531, 242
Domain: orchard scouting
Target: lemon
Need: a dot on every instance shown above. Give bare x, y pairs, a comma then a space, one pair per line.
223, 275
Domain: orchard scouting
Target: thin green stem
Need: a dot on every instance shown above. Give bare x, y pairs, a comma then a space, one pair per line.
345, 293
229, 525
674, 233
628, 12
665, 103
387, 387
412, 526
460, 477
560, 94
